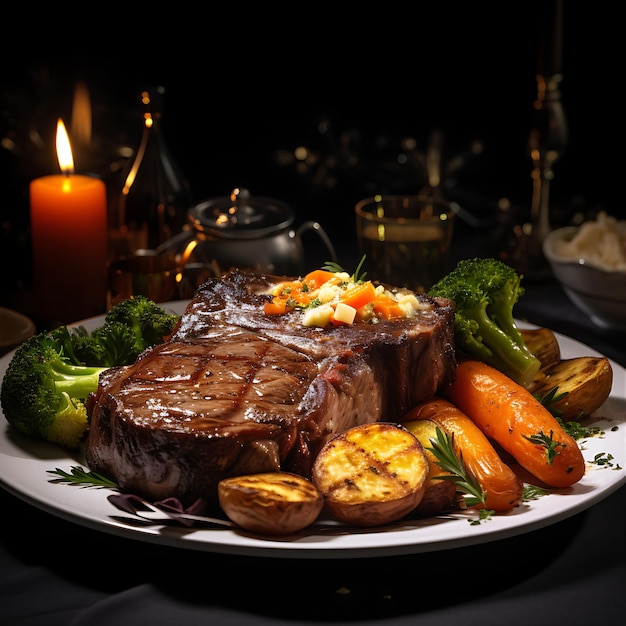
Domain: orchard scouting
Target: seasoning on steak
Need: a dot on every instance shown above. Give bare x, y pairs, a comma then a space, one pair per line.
236, 391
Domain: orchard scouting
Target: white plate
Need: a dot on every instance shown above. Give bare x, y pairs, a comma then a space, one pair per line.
14, 328
25, 467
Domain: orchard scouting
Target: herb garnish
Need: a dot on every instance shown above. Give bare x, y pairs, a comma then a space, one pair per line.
484, 515
451, 461
82, 478
532, 492
605, 459
577, 431
547, 442
331, 266
550, 399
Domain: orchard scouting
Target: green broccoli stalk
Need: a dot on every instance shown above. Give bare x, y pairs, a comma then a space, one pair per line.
43, 393
485, 292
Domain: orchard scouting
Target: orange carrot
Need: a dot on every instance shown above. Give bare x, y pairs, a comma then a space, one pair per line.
496, 478
360, 295
386, 307
509, 414
317, 278
292, 294
275, 307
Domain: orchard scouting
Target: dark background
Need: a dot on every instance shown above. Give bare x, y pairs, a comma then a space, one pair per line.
246, 87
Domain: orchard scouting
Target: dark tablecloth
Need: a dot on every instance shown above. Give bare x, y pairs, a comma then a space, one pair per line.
572, 572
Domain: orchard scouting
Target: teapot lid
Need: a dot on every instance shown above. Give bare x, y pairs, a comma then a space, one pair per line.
241, 216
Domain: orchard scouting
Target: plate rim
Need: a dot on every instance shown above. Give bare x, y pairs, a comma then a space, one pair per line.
75, 505
27, 328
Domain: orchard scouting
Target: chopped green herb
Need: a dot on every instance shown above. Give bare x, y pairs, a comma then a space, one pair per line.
314, 303
605, 459
532, 492
484, 515
577, 431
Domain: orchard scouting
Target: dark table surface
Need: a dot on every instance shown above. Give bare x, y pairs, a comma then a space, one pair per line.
571, 572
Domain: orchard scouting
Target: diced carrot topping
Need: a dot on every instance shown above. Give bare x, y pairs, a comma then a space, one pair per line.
317, 278
336, 322
361, 300
387, 307
360, 295
291, 287
275, 307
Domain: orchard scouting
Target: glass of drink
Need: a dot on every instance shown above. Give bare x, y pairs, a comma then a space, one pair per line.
146, 274
405, 239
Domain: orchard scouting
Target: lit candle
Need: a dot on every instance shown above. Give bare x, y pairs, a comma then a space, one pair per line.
69, 240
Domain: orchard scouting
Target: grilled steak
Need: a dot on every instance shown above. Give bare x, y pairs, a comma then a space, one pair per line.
236, 391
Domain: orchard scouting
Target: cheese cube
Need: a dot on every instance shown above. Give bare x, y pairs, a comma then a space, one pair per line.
345, 313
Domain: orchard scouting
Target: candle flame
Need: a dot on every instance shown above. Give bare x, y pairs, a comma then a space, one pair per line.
64, 150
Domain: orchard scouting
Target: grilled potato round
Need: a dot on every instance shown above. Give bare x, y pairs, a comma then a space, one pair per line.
587, 380
372, 474
270, 503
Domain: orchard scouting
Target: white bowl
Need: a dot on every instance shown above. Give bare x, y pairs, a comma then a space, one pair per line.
599, 292
15, 328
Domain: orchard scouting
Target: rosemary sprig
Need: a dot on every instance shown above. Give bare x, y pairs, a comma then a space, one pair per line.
82, 478
451, 461
331, 266
547, 442
550, 399
573, 428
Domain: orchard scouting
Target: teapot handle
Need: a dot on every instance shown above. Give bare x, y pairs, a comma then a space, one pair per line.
316, 227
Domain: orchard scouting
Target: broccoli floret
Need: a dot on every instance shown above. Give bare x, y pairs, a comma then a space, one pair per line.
116, 342
484, 292
149, 323
81, 349
43, 392
129, 328
49, 377
112, 344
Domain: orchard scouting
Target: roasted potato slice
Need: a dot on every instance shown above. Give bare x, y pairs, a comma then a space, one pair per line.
439, 495
270, 503
543, 344
371, 475
587, 380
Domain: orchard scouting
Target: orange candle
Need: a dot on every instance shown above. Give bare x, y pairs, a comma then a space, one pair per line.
69, 241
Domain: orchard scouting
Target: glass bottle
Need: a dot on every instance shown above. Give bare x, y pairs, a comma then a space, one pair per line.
154, 198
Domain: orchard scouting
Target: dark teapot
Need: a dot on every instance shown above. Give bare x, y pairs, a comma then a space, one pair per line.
249, 232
